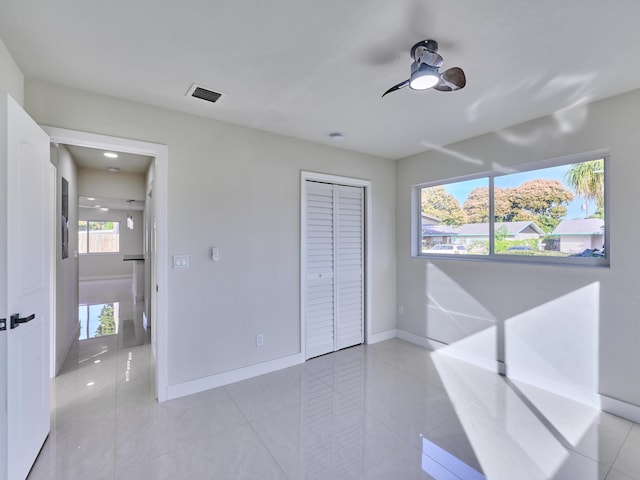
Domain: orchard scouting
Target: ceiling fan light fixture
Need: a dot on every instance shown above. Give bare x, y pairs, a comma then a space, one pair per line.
424, 77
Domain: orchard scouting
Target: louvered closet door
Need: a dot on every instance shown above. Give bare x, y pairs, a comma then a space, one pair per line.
334, 266
349, 266
320, 287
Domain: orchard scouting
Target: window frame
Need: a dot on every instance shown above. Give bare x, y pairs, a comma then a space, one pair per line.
416, 213
88, 232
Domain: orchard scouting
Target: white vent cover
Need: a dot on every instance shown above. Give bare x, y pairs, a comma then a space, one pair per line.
204, 93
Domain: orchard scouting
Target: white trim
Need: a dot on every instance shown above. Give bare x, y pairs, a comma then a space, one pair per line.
382, 336
620, 408
218, 380
54, 362
368, 262
420, 340
161, 155
431, 344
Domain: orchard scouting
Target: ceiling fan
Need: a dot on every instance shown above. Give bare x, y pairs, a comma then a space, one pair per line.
425, 71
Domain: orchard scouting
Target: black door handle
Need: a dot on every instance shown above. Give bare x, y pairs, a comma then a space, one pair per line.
16, 320
3, 324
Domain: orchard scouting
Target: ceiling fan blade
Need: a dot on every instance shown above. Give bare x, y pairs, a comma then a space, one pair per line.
452, 79
397, 87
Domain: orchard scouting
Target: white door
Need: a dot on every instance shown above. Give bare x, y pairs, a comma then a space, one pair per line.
334, 265
349, 266
319, 302
28, 257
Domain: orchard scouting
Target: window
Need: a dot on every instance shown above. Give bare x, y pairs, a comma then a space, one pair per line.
550, 212
98, 237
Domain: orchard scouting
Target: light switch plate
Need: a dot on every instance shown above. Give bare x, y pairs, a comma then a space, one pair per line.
181, 261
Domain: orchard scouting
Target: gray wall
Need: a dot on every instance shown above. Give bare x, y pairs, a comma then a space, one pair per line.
238, 189
574, 330
110, 265
66, 269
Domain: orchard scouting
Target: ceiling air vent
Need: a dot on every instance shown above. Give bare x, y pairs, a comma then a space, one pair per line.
203, 93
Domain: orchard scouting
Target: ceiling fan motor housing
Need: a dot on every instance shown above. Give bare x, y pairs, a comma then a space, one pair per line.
428, 57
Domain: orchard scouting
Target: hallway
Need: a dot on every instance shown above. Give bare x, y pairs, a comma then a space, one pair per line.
102, 380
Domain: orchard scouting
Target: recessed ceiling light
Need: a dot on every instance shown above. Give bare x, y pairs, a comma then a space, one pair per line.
110, 155
104, 209
113, 169
91, 199
336, 136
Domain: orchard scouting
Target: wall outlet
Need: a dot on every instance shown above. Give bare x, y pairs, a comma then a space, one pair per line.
259, 340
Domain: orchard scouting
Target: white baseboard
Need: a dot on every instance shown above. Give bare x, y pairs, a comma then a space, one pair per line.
225, 378
382, 336
420, 340
431, 344
620, 408
106, 277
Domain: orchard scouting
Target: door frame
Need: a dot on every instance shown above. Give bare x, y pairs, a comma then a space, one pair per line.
161, 155
335, 180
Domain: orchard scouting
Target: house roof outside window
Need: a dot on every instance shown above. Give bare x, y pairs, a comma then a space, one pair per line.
480, 229
580, 226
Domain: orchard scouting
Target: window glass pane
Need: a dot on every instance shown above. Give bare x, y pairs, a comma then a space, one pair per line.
553, 212
82, 236
98, 236
455, 218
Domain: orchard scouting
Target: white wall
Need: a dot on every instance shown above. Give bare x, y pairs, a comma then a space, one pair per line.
11, 78
66, 269
571, 329
110, 265
238, 189
101, 183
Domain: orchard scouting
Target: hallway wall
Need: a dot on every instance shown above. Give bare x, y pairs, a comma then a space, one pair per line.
67, 268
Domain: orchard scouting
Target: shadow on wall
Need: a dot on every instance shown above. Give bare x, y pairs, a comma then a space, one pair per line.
547, 335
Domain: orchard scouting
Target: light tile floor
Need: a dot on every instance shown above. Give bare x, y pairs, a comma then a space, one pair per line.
386, 411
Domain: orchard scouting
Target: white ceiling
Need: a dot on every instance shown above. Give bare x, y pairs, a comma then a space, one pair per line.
94, 158
110, 203
307, 68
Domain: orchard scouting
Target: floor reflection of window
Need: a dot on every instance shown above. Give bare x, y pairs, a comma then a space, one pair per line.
98, 320
442, 465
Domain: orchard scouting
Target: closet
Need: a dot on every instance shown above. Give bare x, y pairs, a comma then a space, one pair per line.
334, 267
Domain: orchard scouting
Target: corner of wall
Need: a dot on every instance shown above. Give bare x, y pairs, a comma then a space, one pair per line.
11, 77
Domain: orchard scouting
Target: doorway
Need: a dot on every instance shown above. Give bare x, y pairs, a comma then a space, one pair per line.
158, 274
335, 264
